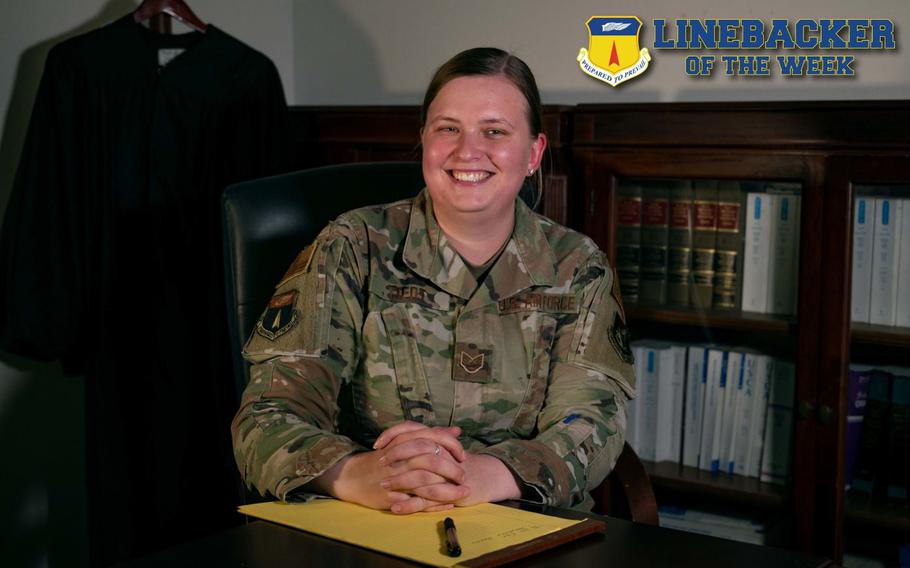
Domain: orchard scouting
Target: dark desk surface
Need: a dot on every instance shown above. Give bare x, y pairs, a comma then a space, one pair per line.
263, 544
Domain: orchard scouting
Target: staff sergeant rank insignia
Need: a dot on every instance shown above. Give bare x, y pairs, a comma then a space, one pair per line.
279, 316
473, 363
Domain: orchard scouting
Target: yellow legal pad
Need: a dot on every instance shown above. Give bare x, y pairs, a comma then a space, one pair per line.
482, 529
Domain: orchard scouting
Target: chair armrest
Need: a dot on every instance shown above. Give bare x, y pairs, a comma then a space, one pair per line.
627, 491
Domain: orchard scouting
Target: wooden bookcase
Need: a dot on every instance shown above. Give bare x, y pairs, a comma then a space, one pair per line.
868, 522
829, 148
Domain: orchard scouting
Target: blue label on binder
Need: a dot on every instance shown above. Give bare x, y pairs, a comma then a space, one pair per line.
886, 209
757, 208
784, 208
650, 361
862, 211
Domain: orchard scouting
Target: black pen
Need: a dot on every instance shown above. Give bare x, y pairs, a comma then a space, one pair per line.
452, 546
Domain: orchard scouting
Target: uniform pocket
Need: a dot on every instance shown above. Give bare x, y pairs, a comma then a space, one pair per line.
407, 363
539, 328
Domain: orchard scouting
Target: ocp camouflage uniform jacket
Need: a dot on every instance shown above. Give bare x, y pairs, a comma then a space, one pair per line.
380, 321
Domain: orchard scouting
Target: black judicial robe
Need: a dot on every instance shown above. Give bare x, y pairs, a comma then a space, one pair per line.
110, 261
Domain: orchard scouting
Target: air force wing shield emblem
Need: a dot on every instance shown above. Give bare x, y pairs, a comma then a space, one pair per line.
279, 317
613, 54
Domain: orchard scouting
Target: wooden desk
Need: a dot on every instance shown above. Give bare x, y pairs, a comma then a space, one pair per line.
262, 544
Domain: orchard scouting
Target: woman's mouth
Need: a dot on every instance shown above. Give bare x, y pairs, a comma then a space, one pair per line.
470, 176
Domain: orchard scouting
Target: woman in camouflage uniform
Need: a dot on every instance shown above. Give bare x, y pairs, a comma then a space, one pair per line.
452, 349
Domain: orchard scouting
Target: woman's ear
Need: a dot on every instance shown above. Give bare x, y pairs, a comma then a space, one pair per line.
537, 148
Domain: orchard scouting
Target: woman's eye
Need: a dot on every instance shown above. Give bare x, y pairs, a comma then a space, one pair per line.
448, 129
495, 132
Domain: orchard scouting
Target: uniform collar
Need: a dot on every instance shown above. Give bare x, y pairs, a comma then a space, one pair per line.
526, 261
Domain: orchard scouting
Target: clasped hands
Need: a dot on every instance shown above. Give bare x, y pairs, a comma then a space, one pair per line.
418, 468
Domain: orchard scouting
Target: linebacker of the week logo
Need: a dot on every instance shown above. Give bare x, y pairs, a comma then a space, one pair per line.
613, 54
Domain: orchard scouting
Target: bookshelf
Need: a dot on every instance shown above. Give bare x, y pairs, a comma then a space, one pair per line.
880, 335
873, 519
877, 514
746, 321
806, 144
830, 149
730, 489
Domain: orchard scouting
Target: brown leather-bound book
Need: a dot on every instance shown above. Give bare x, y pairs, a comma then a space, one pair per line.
704, 230
679, 254
628, 239
655, 221
728, 257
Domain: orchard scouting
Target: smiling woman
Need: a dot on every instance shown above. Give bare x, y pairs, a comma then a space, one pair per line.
453, 349
477, 151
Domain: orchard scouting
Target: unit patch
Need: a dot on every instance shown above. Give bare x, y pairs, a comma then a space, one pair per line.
279, 317
613, 54
619, 338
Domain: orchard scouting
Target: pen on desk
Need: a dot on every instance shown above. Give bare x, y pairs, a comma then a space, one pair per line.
452, 546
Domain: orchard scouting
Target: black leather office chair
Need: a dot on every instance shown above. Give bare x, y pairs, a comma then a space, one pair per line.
268, 221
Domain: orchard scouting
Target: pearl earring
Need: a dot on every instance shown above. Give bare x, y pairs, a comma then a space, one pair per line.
530, 172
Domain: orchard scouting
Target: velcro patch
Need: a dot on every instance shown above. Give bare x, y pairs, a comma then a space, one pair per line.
279, 317
300, 264
412, 294
536, 301
283, 300
619, 338
472, 363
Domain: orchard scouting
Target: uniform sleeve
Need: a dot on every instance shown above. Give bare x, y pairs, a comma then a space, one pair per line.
581, 427
303, 350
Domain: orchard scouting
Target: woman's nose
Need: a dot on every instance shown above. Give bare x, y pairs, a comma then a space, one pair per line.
470, 146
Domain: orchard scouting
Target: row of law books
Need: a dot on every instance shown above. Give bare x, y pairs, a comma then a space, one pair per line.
682, 243
718, 409
880, 292
878, 431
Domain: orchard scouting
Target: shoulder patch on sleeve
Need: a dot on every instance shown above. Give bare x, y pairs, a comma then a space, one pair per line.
279, 317
619, 338
300, 264
601, 337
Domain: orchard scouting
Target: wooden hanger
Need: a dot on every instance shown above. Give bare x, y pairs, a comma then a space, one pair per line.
173, 8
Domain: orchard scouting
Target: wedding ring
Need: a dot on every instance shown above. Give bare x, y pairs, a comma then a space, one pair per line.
436, 453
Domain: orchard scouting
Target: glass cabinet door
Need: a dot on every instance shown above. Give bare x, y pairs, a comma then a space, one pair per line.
876, 394
708, 255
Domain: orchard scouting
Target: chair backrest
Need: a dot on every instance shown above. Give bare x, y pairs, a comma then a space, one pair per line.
266, 222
